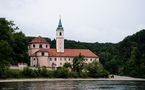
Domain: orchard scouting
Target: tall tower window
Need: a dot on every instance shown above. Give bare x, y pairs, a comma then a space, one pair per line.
60, 34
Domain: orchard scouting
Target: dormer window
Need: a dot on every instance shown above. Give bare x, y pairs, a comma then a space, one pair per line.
40, 46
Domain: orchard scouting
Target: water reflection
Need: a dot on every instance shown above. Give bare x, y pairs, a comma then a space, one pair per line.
75, 85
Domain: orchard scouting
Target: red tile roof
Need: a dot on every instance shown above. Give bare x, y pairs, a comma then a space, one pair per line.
68, 53
38, 39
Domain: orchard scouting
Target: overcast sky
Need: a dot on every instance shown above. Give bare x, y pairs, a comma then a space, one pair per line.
83, 20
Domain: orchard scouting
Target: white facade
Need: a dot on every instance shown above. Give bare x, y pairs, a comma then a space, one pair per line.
56, 61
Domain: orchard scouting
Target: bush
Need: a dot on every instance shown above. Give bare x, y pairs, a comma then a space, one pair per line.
61, 73
83, 74
10, 73
73, 75
46, 73
96, 70
14, 73
29, 73
4, 72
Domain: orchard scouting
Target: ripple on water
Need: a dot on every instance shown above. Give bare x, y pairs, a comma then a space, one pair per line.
74, 85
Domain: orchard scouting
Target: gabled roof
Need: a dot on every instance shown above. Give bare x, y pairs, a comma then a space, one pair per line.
38, 39
68, 53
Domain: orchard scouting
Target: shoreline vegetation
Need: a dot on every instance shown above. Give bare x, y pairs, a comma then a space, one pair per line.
92, 70
116, 78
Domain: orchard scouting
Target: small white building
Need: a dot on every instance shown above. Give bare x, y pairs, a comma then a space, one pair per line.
42, 55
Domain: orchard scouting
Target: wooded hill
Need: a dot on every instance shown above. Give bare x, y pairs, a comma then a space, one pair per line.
124, 58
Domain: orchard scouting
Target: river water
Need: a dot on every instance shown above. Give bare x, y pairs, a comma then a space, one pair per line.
75, 85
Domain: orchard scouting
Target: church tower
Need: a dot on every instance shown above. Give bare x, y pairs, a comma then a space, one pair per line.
60, 38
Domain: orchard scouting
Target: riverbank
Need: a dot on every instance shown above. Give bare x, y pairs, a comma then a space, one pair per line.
67, 79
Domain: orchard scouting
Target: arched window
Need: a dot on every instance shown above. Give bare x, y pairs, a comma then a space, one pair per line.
65, 59
42, 53
40, 46
33, 45
60, 33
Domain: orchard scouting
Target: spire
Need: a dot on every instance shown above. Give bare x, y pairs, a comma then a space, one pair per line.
59, 24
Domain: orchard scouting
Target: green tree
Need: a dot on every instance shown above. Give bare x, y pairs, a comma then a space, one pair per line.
96, 69
61, 73
5, 52
6, 30
67, 65
133, 64
12, 42
78, 63
20, 49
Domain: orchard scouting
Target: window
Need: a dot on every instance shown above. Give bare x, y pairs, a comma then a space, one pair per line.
42, 53
91, 59
65, 59
46, 46
60, 33
33, 46
50, 59
69, 59
60, 58
34, 59
86, 59
40, 46
55, 59
60, 63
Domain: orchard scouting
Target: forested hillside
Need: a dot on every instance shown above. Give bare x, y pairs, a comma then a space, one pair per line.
124, 58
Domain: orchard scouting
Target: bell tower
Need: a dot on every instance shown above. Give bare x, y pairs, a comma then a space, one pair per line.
60, 38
